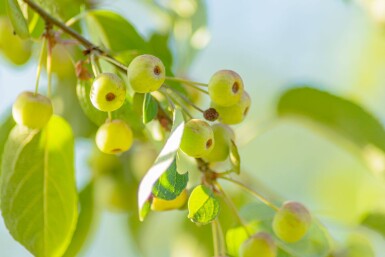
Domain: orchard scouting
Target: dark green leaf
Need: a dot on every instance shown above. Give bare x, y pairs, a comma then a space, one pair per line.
150, 108
375, 221
17, 18
86, 221
203, 206
38, 191
162, 163
36, 26
170, 184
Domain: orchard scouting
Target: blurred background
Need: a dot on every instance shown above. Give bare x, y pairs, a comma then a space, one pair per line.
335, 45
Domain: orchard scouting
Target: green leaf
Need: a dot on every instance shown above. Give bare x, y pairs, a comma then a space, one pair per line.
113, 31
150, 108
375, 221
5, 128
316, 243
159, 47
338, 116
170, 184
38, 191
203, 206
86, 222
17, 18
162, 163
235, 159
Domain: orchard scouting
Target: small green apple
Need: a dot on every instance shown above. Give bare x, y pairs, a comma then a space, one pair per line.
114, 137
32, 110
108, 92
146, 73
291, 222
198, 138
259, 245
225, 88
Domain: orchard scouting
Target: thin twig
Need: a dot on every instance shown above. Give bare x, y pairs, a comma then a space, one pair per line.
252, 192
184, 98
184, 81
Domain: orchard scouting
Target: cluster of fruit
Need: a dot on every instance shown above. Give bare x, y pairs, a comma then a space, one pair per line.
290, 224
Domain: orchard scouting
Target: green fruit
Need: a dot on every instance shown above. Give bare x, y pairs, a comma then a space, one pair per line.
236, 113
225, 88
15, 49
198, 138
291, 222
114, 137
32, 110
222, 137
159, 204
259, 245
108, 92
359, 246
146, 73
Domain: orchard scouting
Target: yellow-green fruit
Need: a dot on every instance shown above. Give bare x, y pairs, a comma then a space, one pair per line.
15, 49
146, 73
198, 138
159, 204
291, 222
114, 137
259, 245
236, 113
108, 92
222, 137
359, 246
225, 88
32, 110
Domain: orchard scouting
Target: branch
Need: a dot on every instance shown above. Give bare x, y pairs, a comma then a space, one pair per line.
71, 32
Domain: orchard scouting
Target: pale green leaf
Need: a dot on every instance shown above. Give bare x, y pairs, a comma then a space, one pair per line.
150, 108
17, 18
163, 161
5, 128
113, 31
203, 206
38, 191
86, 222
337, 114
170, 184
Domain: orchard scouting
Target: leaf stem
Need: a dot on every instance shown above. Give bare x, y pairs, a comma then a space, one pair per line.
233, 207
185, 81
253, 193
94, 65
40, 64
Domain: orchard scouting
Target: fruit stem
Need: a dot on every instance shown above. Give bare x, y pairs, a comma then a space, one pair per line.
253, 193
94, 65
114, 62
39, 66
185, 81
218, 239
110, 116
233, 207
49, 67
184, 108
184, 98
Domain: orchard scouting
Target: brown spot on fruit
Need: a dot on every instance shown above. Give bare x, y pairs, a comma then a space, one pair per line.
110, 97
